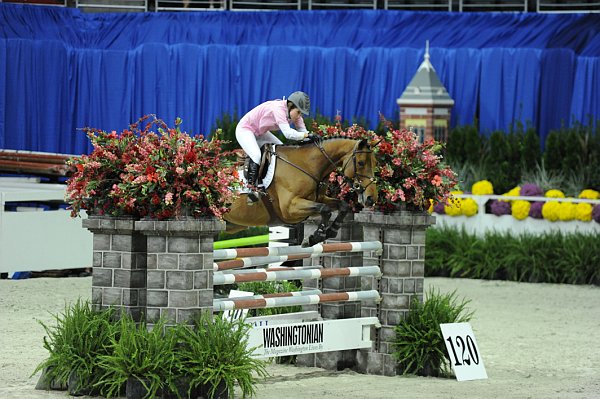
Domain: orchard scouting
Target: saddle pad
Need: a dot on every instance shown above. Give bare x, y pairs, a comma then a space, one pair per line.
265, 183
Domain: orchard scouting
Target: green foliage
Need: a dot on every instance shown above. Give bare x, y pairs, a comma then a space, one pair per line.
544, 178
225, 130
419, 343
548, 258
271, 287
215, 350
147, 355
75, 344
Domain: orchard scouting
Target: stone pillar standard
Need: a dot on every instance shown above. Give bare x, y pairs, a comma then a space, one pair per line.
119, 265
402, 235
180, 267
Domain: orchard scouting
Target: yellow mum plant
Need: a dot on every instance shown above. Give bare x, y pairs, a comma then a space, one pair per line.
583, 212
515, 192
566, 211
520, 209
469, 206
482, 187
555, 194
589, 194
550, 211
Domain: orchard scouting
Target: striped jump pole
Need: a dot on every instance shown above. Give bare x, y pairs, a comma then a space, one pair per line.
275, 295
250, 257
271, 269
219, 254
233, 304
222, 279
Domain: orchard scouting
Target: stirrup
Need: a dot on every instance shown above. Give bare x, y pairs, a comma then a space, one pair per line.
252, 197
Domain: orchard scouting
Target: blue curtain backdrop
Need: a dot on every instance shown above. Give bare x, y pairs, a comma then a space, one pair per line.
61, 69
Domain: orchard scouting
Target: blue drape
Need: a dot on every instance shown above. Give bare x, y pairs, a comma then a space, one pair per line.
61, 70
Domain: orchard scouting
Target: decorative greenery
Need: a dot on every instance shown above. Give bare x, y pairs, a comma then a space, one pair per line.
215, 352
419, 343
137, 352
142, 173
549, 258
75, 344
271, 287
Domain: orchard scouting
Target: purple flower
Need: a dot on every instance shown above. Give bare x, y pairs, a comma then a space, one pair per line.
596, 213
535, 211
500, 208
531, 190
439, 208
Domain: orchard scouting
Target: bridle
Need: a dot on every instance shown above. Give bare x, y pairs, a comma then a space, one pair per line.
357, 180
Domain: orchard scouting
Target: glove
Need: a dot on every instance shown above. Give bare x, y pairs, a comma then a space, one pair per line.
315, 138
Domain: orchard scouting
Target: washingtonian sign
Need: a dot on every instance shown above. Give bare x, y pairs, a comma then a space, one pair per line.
311, 337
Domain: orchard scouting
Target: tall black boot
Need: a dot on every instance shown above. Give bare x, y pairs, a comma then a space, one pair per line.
252, 177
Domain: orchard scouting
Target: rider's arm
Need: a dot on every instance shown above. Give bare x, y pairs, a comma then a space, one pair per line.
292, 134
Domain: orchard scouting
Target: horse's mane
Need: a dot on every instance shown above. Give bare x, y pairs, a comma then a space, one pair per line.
305, 143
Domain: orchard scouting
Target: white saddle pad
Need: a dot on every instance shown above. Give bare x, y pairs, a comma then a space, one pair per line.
266, 181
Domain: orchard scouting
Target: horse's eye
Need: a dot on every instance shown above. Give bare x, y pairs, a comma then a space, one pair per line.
361, 163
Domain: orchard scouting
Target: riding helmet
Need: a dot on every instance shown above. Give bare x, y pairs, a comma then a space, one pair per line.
301, 101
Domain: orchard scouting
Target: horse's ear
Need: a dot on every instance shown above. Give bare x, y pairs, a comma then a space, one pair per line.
374, 143
363, 143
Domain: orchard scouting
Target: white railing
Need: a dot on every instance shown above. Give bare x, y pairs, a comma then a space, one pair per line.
564, 6
190, 5
492, 5
483, 222
332, 4
111, 5
250, 5
416, 5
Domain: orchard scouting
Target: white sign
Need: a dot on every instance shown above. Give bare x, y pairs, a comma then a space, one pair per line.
463, 351
237, 313
311, 337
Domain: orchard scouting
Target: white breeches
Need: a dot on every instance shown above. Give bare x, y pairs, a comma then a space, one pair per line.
251, 144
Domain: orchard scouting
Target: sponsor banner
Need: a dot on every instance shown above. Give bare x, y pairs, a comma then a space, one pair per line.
311, 337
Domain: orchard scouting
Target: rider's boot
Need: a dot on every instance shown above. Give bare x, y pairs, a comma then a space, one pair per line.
252, 177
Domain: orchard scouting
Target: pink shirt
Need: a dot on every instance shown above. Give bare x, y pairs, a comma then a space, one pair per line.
267, 117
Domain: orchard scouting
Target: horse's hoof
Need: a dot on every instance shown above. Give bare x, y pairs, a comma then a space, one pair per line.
305, 243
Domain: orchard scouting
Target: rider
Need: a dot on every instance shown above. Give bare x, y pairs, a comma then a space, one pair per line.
254, 129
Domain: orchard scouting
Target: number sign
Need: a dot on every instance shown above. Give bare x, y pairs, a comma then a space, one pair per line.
464, 354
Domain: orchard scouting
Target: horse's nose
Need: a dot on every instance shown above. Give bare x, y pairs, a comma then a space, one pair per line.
369, 201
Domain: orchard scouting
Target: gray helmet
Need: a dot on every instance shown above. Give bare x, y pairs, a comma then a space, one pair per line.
301, 101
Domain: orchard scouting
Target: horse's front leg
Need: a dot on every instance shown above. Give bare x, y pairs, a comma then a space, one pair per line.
332, 230
301, 208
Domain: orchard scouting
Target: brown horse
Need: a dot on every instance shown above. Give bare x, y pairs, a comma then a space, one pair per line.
299, 184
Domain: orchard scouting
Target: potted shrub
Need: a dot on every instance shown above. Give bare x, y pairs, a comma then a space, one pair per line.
214, 355
419, 343
75, 345
140, 359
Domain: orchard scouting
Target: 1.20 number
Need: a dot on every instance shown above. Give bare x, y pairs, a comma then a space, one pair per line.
468, 347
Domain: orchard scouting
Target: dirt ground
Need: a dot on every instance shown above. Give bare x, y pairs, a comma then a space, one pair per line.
536, 341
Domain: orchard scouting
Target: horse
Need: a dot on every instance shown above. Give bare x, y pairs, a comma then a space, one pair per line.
299, 184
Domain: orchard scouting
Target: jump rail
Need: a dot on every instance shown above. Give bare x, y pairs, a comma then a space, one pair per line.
233, 304
222, 279
250, 257
275, 295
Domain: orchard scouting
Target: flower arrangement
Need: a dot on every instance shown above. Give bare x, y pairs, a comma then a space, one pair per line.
161, 175
411, 172
551, 210
583, 212
408, 173
589, 194
555, 194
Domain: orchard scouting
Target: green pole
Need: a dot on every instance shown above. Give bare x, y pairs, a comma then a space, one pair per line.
241, 242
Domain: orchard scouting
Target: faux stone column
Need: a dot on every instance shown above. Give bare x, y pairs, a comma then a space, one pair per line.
349, 231
119, 265
402, 264
180, 267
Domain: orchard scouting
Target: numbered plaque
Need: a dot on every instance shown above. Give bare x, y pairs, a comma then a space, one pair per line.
463, 351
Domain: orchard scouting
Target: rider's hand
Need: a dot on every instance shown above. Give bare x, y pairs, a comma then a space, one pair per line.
315, 138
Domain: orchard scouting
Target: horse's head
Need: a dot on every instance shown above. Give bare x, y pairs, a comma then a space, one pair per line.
359, 165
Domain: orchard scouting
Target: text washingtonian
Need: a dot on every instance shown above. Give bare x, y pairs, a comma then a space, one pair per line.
275, 337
